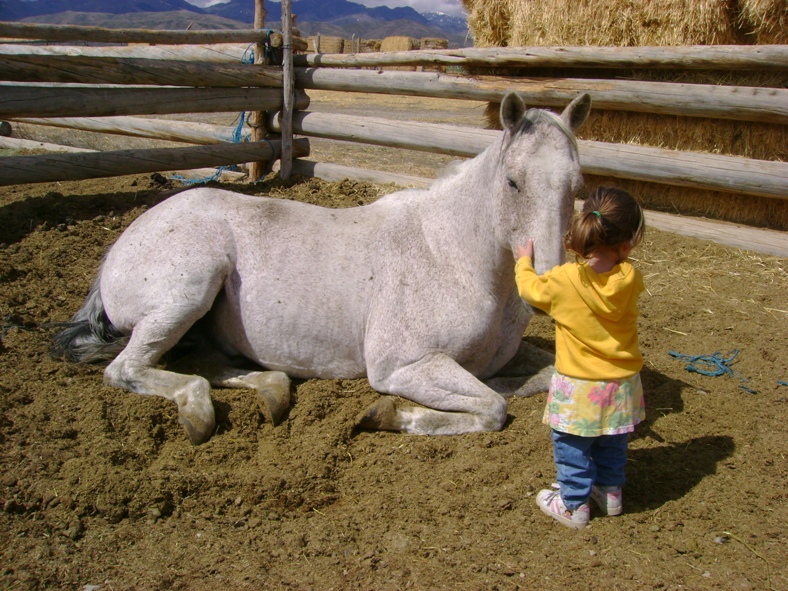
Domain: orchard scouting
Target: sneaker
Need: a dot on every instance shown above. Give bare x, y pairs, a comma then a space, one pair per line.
550, 503
608, 498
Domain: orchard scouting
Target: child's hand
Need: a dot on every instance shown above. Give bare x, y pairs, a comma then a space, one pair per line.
521, 251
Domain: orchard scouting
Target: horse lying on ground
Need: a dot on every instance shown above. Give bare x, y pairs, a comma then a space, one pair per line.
414, 291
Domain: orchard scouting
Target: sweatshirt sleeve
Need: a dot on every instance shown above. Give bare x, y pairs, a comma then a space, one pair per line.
533, 288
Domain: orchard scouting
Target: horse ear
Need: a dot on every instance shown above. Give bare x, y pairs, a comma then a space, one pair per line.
512, 111
577, 111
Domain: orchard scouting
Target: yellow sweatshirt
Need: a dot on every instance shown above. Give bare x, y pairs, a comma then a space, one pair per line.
595, 315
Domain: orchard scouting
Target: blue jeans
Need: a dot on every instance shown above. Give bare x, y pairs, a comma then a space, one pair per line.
584, 461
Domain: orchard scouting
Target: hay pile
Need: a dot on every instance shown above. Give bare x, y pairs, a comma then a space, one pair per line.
633, 23
767, 20
620, 23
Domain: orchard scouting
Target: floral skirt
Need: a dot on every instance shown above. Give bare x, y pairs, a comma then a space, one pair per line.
592, 408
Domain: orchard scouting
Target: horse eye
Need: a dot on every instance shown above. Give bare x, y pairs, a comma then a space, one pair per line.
512, 184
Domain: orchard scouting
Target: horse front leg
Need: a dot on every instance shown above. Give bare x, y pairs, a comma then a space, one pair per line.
456, 401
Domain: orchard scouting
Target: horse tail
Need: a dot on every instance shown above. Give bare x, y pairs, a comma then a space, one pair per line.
89, 336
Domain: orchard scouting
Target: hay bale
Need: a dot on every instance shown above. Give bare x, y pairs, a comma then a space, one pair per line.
350, 46
618, 23
433, 43
766, 21
499, 23
370, 45
731, 207
399, 43
327, 44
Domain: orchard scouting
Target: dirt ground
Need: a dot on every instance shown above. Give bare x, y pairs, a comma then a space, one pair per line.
101, 490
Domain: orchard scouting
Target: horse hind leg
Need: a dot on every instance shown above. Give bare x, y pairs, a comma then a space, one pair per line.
272, 389
133, 370
529, 372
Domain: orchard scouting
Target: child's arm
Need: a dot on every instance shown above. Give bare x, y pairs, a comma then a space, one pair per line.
532, 288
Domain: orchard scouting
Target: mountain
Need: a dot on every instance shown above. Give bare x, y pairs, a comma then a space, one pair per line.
340, 18
11, 10
173, 20
315, 11
450, 24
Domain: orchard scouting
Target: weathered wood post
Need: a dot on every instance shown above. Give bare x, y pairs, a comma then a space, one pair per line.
257, 118
286, 158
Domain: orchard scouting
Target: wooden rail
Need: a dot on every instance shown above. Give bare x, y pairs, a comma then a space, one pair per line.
686, 169
59, 101
118, 70
103, 35
665, 98
188, 132
78, 166
696, 57
768, 105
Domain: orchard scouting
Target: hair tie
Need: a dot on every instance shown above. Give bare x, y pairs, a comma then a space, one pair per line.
597, 214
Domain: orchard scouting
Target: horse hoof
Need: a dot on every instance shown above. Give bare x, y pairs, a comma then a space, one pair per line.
381, 416
197, 417
198, 429
273, 396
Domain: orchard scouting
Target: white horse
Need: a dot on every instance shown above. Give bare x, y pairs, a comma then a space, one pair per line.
414, 291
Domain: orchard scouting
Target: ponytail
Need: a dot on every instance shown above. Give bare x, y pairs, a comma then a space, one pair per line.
609, 217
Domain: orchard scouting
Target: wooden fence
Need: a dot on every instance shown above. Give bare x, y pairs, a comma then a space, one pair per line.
98, 88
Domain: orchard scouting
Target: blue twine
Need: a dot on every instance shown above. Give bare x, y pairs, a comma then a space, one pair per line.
717, 364
238, 134
712, 365
782, 382
269, 53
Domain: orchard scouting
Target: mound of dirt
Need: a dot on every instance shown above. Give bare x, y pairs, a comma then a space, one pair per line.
100, 488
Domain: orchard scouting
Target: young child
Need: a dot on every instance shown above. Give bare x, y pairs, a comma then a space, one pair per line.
595, 397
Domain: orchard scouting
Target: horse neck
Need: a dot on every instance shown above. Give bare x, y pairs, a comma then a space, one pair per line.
462, 203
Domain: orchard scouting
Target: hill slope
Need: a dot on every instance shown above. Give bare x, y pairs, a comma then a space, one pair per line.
339, 18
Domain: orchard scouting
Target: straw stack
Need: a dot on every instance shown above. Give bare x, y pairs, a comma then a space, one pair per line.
633, 23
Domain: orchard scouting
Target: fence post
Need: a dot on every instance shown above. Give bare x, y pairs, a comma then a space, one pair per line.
286, 157
257, 118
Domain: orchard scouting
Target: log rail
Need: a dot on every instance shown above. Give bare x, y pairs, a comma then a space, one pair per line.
81, 86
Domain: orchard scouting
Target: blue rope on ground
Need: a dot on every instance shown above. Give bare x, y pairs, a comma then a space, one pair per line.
716, 364
712, 365
237, 135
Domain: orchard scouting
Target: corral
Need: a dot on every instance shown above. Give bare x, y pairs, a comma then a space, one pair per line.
101, 489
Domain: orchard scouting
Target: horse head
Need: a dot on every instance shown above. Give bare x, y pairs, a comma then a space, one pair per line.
539, 174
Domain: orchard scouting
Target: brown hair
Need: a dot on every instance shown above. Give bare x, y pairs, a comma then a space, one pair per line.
609, 217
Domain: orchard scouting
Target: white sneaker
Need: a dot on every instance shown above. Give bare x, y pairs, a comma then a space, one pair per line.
550, 503
608, 499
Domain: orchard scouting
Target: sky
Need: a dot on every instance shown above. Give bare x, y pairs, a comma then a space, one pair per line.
450, 7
